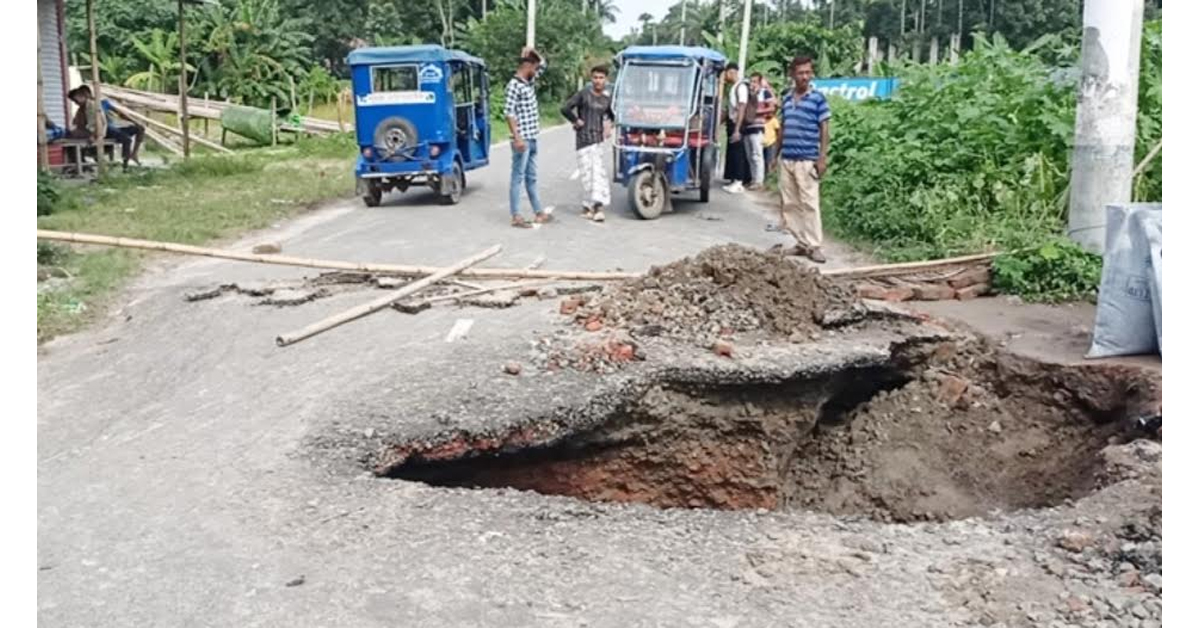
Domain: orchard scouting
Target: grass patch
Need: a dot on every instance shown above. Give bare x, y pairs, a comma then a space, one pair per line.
193, 202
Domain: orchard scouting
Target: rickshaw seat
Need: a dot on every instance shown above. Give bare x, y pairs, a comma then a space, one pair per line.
673, 139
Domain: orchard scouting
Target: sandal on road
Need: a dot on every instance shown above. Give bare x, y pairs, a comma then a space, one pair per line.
521, 223
543, 218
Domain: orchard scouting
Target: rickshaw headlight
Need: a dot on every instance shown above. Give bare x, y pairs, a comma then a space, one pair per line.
368, 152
435, 150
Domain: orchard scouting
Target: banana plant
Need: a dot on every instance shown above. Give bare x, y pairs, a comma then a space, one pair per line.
161, 54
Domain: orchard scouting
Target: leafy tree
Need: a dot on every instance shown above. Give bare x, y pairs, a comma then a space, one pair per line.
565, 35
253, 52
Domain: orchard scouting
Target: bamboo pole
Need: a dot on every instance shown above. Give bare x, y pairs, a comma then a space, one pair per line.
907, 267
284, 260
473, 293
101, 122
166, 143
274, 124
183, 86
206, 119
170, 129
1147, 159
341, 125
360, 311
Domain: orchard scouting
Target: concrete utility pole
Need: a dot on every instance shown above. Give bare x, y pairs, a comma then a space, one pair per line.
1105, 117
530, 21
720, 21
744, 50
683, 24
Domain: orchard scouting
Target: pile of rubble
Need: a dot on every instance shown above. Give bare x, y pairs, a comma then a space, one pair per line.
720, 292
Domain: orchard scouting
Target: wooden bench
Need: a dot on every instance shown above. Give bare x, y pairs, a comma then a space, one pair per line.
74, 151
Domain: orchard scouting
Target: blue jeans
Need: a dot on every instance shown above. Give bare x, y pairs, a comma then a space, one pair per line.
524, 169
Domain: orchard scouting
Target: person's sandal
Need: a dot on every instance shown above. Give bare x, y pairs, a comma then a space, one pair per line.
520, 223
598, 216
543, 218
817, 256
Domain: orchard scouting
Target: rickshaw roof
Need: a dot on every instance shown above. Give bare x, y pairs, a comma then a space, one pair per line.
429, 53
672, 52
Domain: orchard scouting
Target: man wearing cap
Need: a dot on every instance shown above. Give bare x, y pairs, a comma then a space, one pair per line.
524, 120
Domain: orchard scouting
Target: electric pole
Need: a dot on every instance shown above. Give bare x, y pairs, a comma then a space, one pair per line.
1105, 117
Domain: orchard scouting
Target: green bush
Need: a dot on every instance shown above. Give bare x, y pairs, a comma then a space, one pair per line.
1056, 271
49, 195
975, 157
967, 157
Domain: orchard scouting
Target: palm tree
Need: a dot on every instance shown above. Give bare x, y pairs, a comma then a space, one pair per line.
605, 10
645, 20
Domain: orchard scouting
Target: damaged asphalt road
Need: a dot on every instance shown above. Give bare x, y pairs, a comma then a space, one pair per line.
191, 473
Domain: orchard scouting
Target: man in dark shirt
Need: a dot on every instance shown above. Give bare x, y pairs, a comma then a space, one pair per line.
590, 112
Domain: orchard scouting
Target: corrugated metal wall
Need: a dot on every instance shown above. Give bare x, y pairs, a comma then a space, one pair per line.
52, 62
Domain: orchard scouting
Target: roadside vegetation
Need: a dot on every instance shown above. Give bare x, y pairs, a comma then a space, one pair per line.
975, 157
198, 201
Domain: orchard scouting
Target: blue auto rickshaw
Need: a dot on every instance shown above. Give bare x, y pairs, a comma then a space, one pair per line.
421, 117
667, 104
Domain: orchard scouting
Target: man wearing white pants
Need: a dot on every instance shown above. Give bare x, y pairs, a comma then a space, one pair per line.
590, 111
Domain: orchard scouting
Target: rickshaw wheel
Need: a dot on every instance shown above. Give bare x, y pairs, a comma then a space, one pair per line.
707, 164
452, 188
394, 136
374, 195
648, 194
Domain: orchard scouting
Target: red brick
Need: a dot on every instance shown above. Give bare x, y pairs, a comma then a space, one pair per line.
871, 291
722, 348
932, 292
970, 292
593, 325
970, 277
952, 390
568, 306
897, 294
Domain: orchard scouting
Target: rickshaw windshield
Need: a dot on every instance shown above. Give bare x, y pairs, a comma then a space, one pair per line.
655, 95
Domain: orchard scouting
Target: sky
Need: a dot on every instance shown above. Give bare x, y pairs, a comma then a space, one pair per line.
631, 9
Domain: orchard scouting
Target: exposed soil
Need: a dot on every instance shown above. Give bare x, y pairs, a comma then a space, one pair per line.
958, 430
721, 291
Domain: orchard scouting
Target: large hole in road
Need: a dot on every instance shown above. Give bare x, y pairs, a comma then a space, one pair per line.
901, 443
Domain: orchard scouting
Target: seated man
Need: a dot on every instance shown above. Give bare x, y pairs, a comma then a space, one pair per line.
129, 134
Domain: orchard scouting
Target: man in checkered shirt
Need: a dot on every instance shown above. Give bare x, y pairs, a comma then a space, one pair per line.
521, 111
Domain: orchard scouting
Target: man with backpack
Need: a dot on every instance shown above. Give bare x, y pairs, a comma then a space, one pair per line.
748, 129
737, 167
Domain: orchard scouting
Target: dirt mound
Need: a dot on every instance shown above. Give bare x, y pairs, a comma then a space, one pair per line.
722, 291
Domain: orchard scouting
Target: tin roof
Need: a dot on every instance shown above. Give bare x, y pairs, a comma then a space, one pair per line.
400, 54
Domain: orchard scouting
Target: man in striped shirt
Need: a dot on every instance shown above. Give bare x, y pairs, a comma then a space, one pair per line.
521, 112
804, 147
